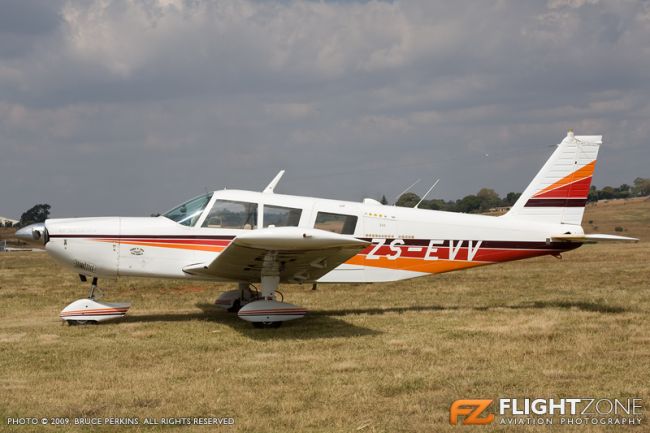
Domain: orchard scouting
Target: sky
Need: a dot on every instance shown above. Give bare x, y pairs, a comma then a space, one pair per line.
130, 107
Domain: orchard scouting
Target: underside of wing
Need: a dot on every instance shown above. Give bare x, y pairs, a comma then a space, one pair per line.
295, 254
591, 239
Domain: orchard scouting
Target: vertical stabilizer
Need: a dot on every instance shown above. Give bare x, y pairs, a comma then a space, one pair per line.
559, 192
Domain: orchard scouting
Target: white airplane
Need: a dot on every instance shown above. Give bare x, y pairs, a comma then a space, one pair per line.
261, 237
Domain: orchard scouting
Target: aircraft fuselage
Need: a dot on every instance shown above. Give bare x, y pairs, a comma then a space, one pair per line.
405, 242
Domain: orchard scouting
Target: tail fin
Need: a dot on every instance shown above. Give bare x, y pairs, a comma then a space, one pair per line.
558, 193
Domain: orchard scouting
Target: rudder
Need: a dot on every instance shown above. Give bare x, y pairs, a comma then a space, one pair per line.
559, 192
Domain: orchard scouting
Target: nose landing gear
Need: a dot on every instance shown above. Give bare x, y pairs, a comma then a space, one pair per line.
89, 311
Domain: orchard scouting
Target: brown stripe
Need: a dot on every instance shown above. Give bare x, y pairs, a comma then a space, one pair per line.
556, 202
199, 237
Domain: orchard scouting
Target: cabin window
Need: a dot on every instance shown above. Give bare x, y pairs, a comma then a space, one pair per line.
189, 212
281, 216
227, 214
337, 223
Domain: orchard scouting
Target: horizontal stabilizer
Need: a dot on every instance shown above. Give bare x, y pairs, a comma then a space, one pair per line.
592, 239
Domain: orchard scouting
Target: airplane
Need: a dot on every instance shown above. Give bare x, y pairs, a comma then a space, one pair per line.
264, 239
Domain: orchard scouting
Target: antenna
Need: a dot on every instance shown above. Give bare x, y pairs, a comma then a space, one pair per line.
427, 193
412, 185
269, 188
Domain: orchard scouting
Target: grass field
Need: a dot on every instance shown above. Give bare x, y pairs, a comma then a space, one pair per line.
368, 358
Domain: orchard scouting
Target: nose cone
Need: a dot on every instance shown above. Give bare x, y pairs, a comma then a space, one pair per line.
34, 233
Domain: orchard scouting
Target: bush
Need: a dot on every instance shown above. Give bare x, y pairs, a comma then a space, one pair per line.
618, 229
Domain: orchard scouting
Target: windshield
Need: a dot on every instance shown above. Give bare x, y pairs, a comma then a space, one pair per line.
189, 212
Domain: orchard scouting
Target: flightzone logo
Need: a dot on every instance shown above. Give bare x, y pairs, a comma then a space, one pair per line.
471, 410
547, 411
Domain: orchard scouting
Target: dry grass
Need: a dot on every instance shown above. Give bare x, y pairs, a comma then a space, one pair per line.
369, 358
9, 234
632, 215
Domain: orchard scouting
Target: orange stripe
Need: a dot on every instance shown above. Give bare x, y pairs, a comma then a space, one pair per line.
176, 246
581, 173
415, 264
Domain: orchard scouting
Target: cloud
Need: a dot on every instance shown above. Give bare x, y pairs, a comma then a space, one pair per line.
128, 106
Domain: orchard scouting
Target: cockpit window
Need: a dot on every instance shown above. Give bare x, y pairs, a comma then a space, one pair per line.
189, 212
230, 214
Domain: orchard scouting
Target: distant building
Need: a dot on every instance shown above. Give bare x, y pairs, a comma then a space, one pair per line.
3, 221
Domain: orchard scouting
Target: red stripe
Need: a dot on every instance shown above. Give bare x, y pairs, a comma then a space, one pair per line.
92, 314
218, 242
113, 313
481, 255
270, 312
577, 189
104, 311
284, 310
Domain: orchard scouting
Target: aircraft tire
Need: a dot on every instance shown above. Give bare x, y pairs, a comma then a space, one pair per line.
266, 325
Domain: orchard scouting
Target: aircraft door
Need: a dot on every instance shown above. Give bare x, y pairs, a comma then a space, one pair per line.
345, 219
378, 225
383, 231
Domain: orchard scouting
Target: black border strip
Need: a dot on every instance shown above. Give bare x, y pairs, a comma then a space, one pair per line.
556, 202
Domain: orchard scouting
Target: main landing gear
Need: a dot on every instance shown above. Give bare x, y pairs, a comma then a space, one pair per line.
89, 311
261, 309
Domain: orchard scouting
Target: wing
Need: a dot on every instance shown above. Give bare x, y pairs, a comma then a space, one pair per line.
296, 254
591, 239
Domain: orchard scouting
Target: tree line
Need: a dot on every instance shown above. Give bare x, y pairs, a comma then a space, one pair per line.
487, 198
482, 201
639, 188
